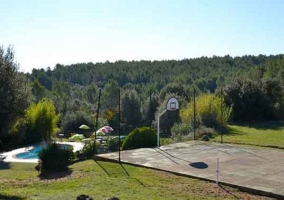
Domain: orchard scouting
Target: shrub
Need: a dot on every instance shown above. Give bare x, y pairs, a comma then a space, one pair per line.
89, 149
208, 110
201, 131
184, 131
55, 158
182, 128
181, 132
113, 144
166, 141
139, 138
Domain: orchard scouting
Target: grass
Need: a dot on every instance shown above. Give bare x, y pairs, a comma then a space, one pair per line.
267, 134
102, 180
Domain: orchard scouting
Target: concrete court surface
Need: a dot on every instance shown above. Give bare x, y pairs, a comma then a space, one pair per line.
251, 167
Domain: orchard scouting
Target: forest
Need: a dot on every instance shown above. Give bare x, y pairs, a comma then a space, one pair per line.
250, 87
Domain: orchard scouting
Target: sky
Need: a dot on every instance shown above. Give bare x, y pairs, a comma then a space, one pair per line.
46, 32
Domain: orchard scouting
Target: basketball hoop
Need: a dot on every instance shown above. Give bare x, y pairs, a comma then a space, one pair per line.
172, 104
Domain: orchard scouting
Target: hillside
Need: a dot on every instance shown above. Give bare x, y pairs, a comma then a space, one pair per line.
75, 87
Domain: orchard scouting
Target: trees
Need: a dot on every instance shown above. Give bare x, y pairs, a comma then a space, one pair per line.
110, 95
41, 120
15, 93
131, 113
275, 94
38, 90
254, 101
73, 120
75, 87
92, 93
246, 99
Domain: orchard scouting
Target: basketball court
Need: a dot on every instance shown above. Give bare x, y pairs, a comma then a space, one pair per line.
261, 169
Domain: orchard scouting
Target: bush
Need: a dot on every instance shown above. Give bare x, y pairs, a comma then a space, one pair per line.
201, 131
184, 131
89, 149
208, 111
113, 144
182, 128
55, 158
139, 138
166, 141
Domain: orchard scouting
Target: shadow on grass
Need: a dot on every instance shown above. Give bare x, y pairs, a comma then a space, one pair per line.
4, 197
126, 172
124, 169
55, 175
268, 125
227, 191
4, 165
234, 131
273, 125
102, 167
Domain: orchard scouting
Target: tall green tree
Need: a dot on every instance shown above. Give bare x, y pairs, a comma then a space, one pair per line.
92, 93
38, 90
42, 121
130, 111
15, 93
109, 97
248, 101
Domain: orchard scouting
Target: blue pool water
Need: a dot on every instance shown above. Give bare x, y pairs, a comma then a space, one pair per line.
33, 153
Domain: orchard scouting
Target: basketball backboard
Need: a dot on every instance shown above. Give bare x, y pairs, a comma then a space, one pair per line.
172, 104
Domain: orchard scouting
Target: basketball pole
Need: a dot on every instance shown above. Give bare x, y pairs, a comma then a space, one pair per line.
98, 112
172, 105
158, 128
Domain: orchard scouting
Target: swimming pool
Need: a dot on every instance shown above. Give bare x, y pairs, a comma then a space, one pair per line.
33, 153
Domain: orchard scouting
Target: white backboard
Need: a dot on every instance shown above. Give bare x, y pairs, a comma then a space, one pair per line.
172, 104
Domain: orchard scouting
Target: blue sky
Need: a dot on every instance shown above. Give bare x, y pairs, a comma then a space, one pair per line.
44, 33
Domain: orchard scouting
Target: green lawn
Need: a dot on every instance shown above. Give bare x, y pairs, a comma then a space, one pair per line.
102, 180
269, 134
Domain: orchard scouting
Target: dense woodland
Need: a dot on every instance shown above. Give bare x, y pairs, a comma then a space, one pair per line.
252, 86
74, 88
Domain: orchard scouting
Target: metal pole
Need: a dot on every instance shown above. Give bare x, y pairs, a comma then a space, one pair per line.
217, 172
194, 114
150, 109
98, 111
119, 125
221, 116
158, 128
